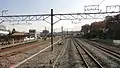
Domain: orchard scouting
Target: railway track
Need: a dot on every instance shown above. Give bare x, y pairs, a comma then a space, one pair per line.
62, 51
13, 50
35, 56
66, 58
88, 60
19, 53
109, 51
7, 52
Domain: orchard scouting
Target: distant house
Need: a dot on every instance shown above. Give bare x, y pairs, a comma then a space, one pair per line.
32, 33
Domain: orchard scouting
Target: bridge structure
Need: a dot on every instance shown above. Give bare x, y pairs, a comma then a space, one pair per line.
90, 12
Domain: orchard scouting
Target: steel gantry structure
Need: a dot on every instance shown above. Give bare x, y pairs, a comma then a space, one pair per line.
66, 16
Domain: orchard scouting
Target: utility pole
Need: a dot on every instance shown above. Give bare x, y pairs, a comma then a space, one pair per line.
45, 28
62, 32
51, 29
51, 60
67, 32
45, 34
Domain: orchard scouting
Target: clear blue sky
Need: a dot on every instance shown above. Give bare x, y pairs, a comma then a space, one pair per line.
44, 6
40, 6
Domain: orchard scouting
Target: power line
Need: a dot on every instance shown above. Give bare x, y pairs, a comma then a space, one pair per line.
101, 2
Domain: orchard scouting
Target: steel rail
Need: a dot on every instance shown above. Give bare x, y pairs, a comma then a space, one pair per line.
85, 62
90, 55
60, 54
30, 57
109, 51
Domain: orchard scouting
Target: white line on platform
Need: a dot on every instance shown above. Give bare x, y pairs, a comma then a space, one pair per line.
18, 64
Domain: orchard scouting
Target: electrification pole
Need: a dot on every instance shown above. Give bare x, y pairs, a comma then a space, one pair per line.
62, 32
51, 29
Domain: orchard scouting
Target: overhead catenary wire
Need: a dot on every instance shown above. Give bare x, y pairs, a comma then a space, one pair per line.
101, 2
